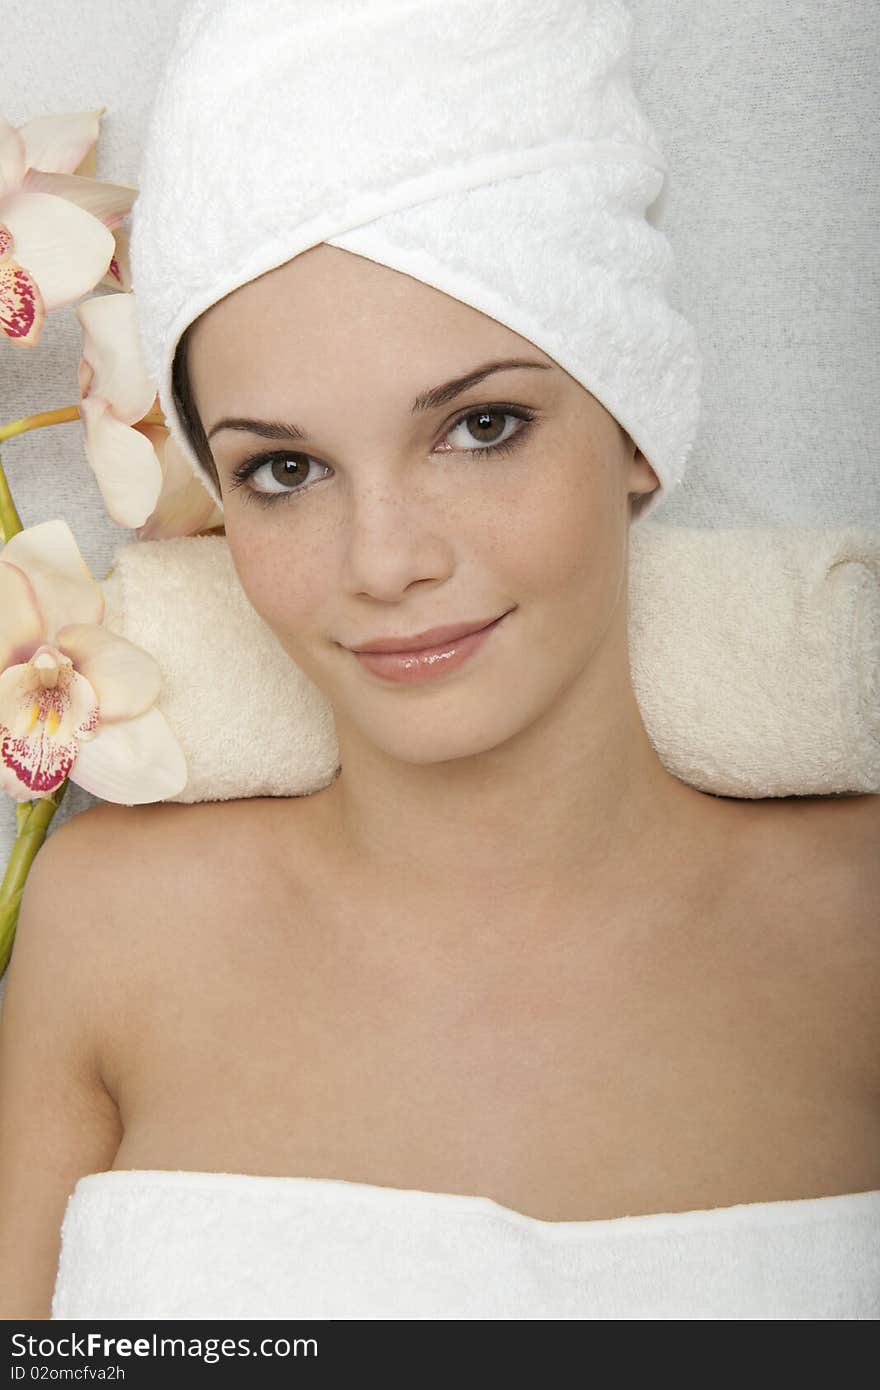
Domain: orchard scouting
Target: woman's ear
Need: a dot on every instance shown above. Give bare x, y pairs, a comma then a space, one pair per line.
642, 478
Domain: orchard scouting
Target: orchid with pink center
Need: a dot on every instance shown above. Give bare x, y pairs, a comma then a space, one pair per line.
144, 479
77, 701
56, 226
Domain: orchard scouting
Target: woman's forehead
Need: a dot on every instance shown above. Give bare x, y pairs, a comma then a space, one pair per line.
333, 320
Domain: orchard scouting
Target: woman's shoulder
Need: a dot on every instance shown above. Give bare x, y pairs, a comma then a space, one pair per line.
167, 835
811, 864
164, 893
166, 869
834, 842
821, 867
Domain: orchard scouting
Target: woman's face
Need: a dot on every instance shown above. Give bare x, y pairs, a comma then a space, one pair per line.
387, 516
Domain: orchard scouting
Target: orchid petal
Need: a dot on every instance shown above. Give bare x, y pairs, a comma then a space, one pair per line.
21, 622
84, 374
65, 249
9, 783
88, 165
60, 143
40, 727
113, 349
132, 762
108, 202
185, 506
124, 463
125, 678
13, 161
118, 275
22, 307
63, 585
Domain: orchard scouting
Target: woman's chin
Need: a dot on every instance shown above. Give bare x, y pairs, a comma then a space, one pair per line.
439, 737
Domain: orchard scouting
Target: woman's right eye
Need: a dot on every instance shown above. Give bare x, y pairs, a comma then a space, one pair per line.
289, 470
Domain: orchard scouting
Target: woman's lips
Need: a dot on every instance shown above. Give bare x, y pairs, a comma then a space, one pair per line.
412, 668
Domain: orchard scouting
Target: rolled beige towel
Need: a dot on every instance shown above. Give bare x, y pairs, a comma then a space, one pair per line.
755, 659
755, 656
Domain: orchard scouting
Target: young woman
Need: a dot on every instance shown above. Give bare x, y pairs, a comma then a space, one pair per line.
507, 1020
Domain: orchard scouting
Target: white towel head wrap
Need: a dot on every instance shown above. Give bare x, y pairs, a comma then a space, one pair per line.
493, 149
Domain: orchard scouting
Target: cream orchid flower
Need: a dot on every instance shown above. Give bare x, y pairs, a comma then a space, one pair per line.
116, 393
145, 481
56, 226
118, 275
185, 507
77, 701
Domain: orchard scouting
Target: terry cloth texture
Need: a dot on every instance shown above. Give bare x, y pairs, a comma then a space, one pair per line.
166, 1244
492, 150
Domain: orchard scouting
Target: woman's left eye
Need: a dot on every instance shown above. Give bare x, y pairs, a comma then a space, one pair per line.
482, 428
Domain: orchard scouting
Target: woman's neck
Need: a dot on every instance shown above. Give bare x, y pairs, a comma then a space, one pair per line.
579, 799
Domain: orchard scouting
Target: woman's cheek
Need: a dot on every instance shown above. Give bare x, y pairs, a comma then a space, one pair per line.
560, 530
284, 580
575, 549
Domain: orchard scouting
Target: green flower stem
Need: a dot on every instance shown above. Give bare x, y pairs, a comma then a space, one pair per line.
37, 422
10, 521
34, 818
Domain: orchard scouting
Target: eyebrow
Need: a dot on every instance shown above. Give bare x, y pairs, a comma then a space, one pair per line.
427, 400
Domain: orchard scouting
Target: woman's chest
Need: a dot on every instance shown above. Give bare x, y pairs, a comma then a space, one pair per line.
707, 1063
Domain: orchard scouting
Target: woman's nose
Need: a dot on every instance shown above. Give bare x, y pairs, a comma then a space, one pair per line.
395, 537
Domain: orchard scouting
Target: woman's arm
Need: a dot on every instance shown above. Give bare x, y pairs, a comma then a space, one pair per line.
57, 1120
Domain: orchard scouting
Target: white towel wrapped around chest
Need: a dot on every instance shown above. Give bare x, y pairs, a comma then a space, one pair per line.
179, 1244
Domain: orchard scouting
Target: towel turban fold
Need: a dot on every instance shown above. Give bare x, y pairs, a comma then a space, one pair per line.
493, 149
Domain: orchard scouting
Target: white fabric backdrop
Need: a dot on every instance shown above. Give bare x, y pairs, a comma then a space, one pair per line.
770, 119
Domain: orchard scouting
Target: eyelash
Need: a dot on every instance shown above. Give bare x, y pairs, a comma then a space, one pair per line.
250, 466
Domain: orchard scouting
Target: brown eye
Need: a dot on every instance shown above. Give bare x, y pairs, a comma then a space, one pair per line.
486, 426
287, 471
